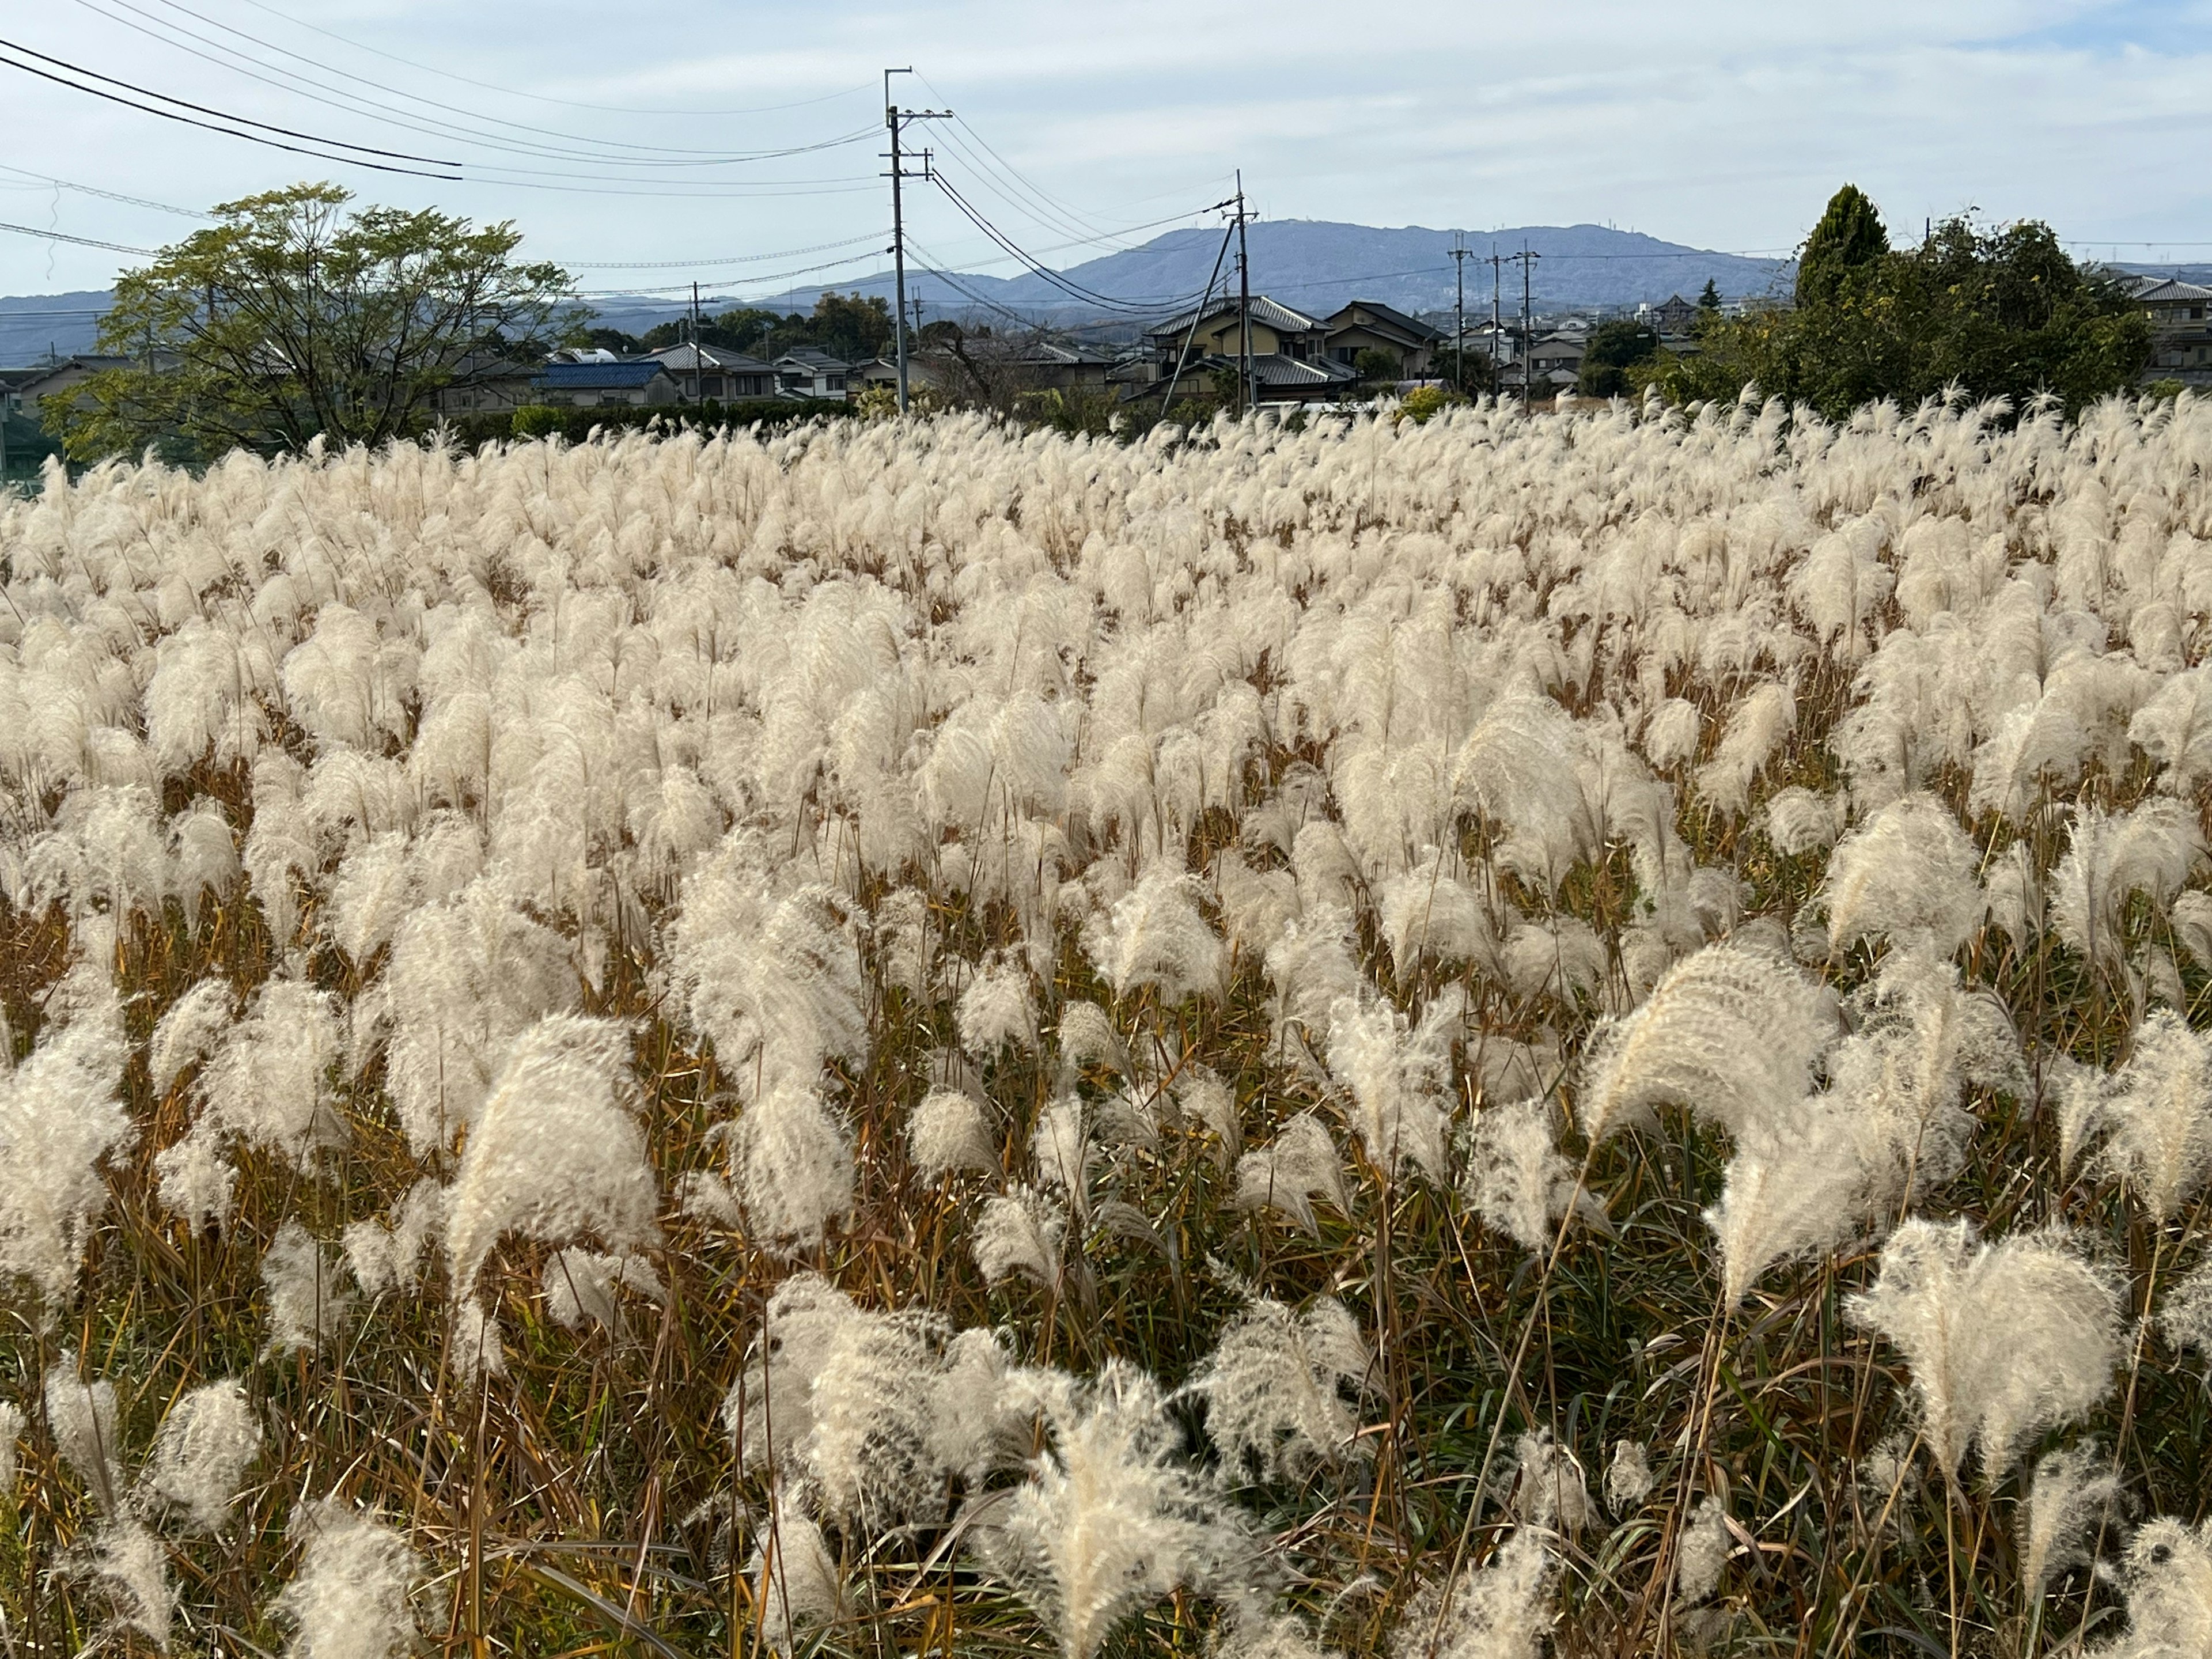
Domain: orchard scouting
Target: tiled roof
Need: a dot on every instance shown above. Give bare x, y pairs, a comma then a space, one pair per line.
1280, 318
682, 359
2172, 289
589, 377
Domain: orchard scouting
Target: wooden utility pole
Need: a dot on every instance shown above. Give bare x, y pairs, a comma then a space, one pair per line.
1459, 315
896, 118
1245, 399
1527, 260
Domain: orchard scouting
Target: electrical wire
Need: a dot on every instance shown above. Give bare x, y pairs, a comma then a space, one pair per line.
1075, 290
540, 98
203, 109
80, 241
339, 98
105, 195
397, 92
733, 259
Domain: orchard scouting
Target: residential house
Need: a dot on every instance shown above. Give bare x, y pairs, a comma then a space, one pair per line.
1555, 361
807, 372
1369, 325
61, 379
702, 372
1057, 366
2180, 316
1218, 332
487, 384
605, 381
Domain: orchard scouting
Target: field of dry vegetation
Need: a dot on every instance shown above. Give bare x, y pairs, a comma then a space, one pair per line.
1573, 1034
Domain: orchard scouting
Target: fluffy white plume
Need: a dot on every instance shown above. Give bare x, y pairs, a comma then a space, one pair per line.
206, 1444
11, 1434
792, 1166
1731, 1032
128, 1562
2155, 1114
1299, 1165
1020, 1232
1398, 1078
559, 1155
80, 1416
797, 1585
1702, 1554
1549, 1491
1280, 1387
1500, 1610
386, 1255
350, 1597
1908, 875
1518, 1182
307, 1304
59, 1117
996, 1011
2005, 1340
269, 1082
2168, 1577
947, 1134
1628, 1479
1109, 1520
582, 1285
2074, 1491
2151, 850
1154, 935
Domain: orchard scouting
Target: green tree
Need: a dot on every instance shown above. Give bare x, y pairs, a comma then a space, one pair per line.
849, 326
1849, 239
1376, 367
1615, 349
1998, 311
1709, 298
290, 318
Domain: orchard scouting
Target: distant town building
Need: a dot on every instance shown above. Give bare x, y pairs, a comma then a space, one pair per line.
2180, 316
1675, 314
716, 372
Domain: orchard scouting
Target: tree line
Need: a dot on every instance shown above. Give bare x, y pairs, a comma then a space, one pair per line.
296, 316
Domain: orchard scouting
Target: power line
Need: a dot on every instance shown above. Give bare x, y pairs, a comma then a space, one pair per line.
733, 259
81, 241
352, 103
1072, 289
105, 195
181, 103
537, 97
397, 92
228, 132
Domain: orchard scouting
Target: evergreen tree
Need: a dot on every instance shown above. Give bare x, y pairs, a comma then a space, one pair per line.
1848, 237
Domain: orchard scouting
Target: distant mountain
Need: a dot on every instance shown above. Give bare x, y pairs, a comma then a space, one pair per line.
1316, 266
32, 324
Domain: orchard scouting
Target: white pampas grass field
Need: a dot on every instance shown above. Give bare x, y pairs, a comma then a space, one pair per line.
1581, 1035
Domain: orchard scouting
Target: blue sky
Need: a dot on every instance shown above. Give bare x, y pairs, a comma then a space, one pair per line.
1724, 124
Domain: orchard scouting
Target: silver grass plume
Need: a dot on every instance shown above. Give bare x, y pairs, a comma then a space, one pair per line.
80, 1416
1732, 1032
11, 1434
2074, 1489
1908, 874
1299, 1165
2185, 1315
1549, 1491
1276, 1388
1628, 1478
59, 1117
797, 1583
350, 1597
1517, 1181
996, 1011
558, 1154
1702, 1554
1020, 1232
204, 1447
1399, 1078
2005, 1340
870, 1453
1798, 1182
2152, 850
1154, 935
792, 1167
2154, 1116
770, 1412
1110, 1519
306, 1305
2168, 1578
581, 1287
128, 1562
1502, 1609
268, 1083
387, 1255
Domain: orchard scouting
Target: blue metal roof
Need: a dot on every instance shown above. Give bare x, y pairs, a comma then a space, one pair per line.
588, 377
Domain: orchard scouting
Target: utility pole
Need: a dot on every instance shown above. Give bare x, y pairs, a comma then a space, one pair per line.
896, 118
1527, 260
698, 365
1459, 315
1244, 396
1496, 321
